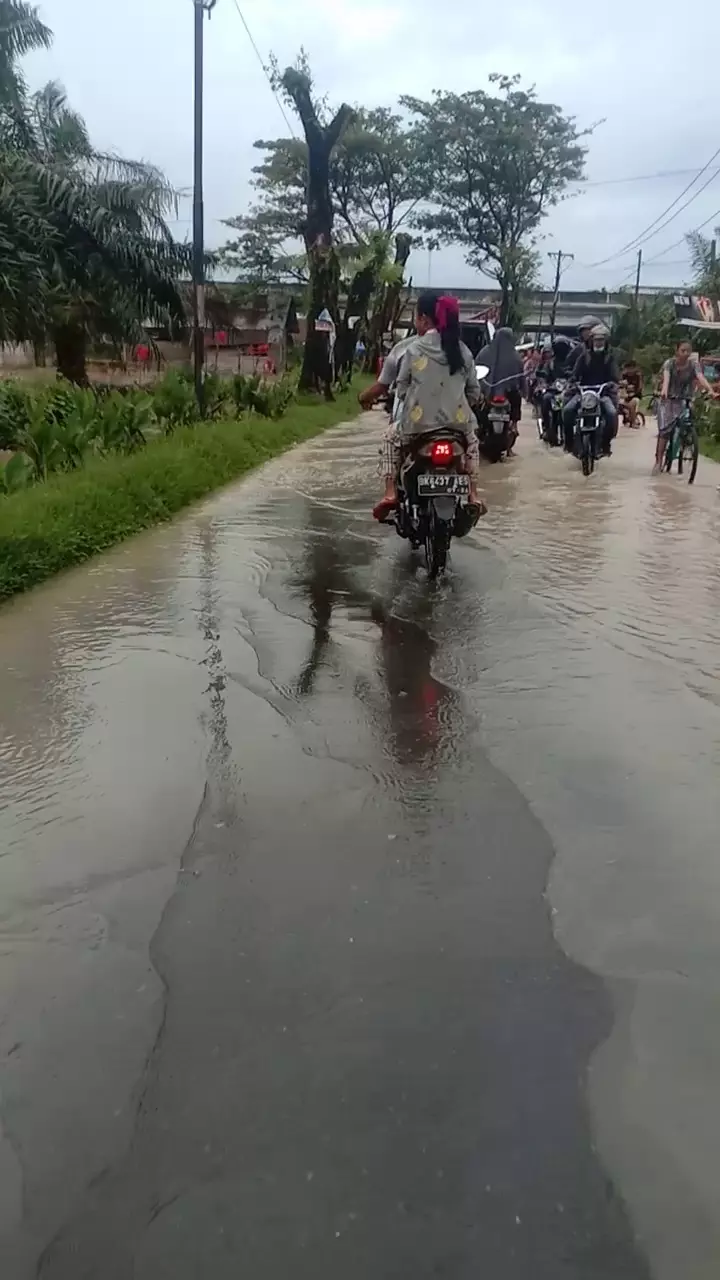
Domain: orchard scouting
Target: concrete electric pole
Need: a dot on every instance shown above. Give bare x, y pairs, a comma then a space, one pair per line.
198, 251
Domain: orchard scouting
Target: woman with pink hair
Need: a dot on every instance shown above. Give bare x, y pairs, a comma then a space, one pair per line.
437, 385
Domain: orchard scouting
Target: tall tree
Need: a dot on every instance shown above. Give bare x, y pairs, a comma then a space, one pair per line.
379, 172
21, 32
322, 134
85, 245
502, 160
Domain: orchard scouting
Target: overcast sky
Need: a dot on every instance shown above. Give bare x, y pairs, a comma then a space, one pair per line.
651, 74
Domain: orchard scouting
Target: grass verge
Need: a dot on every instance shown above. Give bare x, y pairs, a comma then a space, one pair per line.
75, 515
710, 447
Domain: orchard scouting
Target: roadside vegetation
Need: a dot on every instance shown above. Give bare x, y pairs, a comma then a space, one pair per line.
83, 506
61, 428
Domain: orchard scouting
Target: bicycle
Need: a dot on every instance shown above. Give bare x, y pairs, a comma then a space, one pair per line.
683, 443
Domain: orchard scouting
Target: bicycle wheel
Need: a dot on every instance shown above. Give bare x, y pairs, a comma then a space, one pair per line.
690, 452
669, 453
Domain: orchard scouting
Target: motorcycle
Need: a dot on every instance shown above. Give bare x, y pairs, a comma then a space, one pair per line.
557, 431
588, 428
495, 431
433, 495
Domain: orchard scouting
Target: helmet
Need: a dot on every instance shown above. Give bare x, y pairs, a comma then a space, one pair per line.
588, 322
599, 337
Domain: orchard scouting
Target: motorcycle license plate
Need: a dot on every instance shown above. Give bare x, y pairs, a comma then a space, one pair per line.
498, 417
434, 484
590, 425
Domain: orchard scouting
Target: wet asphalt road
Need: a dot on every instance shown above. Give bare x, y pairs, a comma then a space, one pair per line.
353, 927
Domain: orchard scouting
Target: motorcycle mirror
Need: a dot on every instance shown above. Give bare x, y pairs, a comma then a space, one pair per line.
482, 371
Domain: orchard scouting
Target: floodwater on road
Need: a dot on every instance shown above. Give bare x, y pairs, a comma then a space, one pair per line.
353, 926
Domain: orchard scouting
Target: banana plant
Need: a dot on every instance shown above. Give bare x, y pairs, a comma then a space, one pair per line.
38, 440
18, 473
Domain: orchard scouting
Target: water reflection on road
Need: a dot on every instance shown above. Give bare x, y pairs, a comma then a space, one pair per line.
215, 739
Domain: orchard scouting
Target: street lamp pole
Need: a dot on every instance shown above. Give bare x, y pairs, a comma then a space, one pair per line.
198, 256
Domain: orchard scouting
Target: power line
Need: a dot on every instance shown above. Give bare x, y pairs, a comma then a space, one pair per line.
638, 177
647, 233
263, 64
676, 243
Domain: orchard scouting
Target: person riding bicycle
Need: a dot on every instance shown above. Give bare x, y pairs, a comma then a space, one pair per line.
437, 384
595, 366
631, 385
682, 377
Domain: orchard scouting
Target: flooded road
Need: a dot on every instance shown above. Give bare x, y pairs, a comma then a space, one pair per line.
352, 927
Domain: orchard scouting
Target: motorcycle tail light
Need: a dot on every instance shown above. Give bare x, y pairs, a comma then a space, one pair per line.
441, 451
498, 399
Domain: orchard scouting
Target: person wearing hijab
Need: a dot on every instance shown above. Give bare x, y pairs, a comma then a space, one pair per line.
437, 385
505, 375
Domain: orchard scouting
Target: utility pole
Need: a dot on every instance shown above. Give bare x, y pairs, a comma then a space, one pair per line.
198, 254
558, 258
637, 277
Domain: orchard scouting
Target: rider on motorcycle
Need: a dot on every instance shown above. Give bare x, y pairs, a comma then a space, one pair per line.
595, 366
437, 384
552, 369
505, 376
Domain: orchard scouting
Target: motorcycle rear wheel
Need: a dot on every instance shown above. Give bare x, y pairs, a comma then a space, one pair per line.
437, 545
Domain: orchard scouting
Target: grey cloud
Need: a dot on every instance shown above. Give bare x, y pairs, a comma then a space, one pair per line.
653, 82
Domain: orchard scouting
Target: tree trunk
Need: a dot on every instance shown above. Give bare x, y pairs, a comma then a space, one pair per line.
317, 368
317, 371
505, 301
70, 353
387, 314
363, 286
358, 300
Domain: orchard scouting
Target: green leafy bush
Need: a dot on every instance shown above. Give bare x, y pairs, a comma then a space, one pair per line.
707, 418
270, 399
18, 473
15, 403
71, 517
174, 401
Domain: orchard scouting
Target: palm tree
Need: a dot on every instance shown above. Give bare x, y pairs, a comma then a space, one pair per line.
21, 32
85, 249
